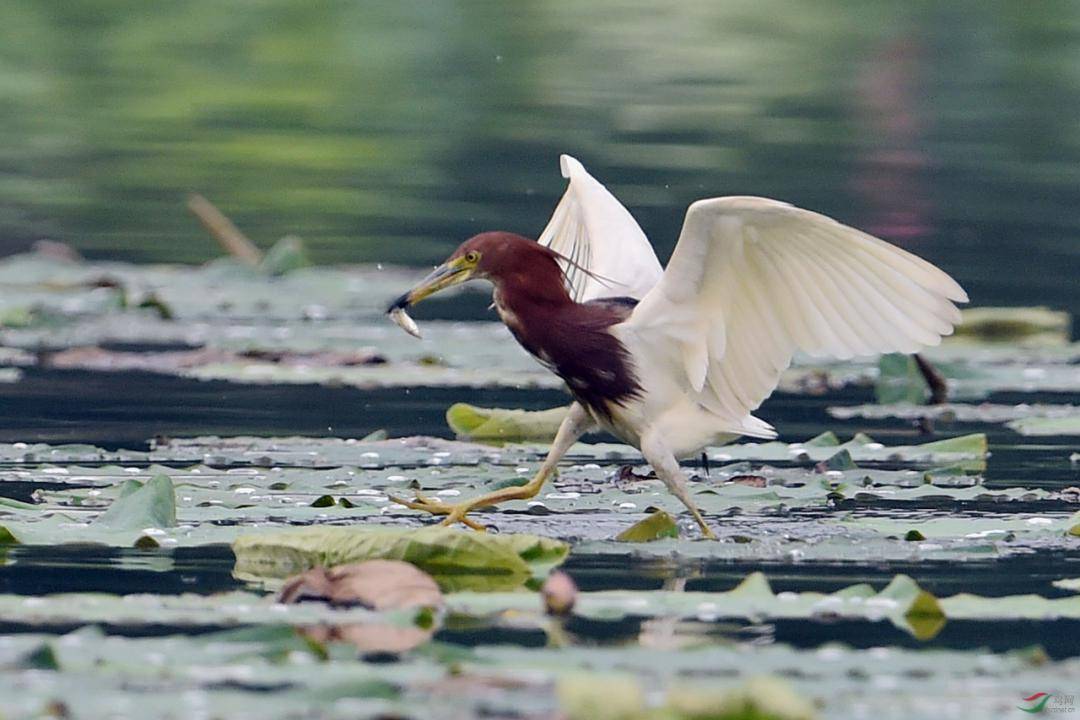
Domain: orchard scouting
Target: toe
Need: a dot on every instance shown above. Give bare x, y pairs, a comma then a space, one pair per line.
423, 504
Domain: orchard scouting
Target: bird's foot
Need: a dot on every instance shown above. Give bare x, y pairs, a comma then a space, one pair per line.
706, 531
456, 513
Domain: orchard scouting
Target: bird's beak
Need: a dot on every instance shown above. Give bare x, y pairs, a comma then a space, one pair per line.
450, 273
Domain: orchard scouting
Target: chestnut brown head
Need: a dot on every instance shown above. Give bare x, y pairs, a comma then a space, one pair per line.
494, 256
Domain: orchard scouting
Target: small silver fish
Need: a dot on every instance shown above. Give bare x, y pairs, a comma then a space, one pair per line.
403, 321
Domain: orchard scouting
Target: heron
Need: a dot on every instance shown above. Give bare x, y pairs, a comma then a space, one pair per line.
673, 360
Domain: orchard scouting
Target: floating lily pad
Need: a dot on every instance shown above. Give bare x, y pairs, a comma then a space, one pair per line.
398, 375
1047, 425
1035, 325
475, 423
456, 558
655, 526
246, 489
52, 528
138, 506
957, 412
1071, 584
762, 697
267, 484
901, 602
816, 674
297, 494
226, 308
972, 372
224, 288
620, 697
336, 452
855, 537
434, 451
271, 672
224, 609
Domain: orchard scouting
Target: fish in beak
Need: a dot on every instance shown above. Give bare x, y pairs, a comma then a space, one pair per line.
453, 272
403, 321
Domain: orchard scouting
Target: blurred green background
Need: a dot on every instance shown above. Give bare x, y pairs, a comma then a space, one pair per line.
390, 131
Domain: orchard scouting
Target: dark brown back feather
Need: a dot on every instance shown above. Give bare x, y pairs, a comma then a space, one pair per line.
573, 339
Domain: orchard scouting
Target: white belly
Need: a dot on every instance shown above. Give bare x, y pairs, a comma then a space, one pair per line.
666, 406
687, 428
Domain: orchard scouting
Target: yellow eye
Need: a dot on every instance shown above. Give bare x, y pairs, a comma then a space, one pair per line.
472, 257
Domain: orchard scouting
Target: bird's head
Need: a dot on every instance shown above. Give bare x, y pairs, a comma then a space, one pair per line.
493, 256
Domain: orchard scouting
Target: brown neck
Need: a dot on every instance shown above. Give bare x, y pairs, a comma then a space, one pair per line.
536, 283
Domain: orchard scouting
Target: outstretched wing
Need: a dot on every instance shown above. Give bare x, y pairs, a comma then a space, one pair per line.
753, 280
609, 254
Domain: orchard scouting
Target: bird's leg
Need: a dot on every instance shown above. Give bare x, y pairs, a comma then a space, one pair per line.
663, 461
576, 423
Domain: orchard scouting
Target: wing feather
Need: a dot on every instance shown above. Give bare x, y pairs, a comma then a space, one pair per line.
864, 337
817, 335
773, 339
930, 317
901, 332
752, 281
595, 232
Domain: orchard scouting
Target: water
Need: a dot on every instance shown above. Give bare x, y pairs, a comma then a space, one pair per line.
390, 131
111, 410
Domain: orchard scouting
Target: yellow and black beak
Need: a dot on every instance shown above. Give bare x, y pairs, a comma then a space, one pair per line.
450, 273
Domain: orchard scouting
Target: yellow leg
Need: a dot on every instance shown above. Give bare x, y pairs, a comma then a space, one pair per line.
706, 531
576, 424
667, 469
435, 507
456, 512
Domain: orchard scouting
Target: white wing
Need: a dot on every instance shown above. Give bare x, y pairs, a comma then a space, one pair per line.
753, 280
593, 229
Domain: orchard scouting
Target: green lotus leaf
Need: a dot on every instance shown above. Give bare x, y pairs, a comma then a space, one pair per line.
655, 526
496, 424
1047, 425
456, 558
150, 505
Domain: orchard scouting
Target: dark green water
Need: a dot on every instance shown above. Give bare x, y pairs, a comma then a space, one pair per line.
389, 131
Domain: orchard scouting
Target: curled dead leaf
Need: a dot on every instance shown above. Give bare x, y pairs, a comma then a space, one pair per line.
381, 585
375, 584
751, 480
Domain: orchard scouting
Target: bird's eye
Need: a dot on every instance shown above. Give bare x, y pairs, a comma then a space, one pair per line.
472, 257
